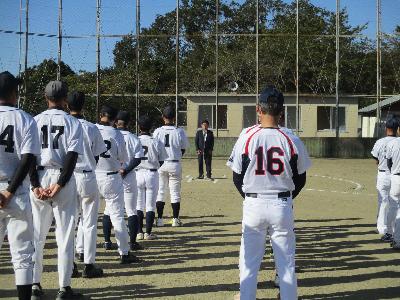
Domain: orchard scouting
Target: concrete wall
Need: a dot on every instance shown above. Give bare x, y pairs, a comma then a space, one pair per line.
317, 147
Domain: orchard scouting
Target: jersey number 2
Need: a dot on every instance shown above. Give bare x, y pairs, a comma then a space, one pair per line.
7, 139
275, 165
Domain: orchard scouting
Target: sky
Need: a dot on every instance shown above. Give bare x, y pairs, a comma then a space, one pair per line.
118, 17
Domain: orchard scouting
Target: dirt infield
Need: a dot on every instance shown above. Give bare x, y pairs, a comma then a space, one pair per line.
339, 255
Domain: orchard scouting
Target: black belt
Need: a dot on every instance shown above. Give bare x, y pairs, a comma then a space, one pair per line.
398, 174
174, 160
382, 171
41, 168
112, 173
280, 195
87, 171
151, 170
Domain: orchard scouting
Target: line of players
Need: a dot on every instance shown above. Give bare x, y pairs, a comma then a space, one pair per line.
71, 163
386, 152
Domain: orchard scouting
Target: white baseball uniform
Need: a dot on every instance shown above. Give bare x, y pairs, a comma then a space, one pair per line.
134, 150
147, 176
88, 195
110, 183
267, 157
170, 173
18, 136
60, 133
393, 207
382, 182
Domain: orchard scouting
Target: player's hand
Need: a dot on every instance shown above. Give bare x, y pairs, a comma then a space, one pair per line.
40, 193
122, 172
53, 190
5, 197
198, 152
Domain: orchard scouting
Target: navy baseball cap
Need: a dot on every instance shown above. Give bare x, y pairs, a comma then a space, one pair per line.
169, 112
392, 122
123, 116
145, 122
8, 84
56, 90
271, 95
76, 100
110, 111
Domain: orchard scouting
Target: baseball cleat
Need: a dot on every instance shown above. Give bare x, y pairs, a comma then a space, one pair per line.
140, 236
80, 257
176, 222
276, 281
128, 259
387, 237
200, 177
150, 236
37, 292
135, 246
75, 272
68, 293
160, 222
107, 245
92, 271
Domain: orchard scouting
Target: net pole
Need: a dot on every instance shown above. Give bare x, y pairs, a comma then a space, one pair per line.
98, 5
59, 39
137, 63
297, 70
216, 64
26, 49
177, 63
337, 65
378, 66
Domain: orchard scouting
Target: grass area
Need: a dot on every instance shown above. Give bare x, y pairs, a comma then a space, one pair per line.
339, 255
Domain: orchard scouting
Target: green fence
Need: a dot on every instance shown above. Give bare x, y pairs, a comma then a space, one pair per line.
317, 147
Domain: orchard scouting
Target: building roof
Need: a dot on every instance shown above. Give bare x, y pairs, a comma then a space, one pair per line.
387, 102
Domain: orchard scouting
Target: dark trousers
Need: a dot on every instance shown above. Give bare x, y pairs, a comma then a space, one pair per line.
207, 159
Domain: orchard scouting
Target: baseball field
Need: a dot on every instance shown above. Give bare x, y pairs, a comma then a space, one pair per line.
339, 255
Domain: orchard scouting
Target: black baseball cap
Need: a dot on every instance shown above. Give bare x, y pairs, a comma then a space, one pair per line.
145, 123
76, 100
392, 122
169, 112
110, 111
8, 84
123, 116
271, 95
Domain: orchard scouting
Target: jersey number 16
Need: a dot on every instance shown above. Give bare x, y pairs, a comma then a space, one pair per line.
275, 164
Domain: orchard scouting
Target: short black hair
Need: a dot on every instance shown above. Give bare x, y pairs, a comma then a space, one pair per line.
8, 85
145, 123
109, 111
169, 112
123, 116
206, 121
76, 101
271, 101
392, 122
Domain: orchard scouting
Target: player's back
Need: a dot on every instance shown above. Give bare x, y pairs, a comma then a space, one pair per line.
59, 134
393, 152
379, 151
270, 155
153, 152
93, 145
110, 160
18, 135
173, 139
133, 146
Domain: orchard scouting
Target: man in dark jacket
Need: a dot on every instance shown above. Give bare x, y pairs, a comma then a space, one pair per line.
204, 146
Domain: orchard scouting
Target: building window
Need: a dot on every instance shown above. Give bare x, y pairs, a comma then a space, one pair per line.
182, 118
290, 117
249, 116
209, 112
326, 118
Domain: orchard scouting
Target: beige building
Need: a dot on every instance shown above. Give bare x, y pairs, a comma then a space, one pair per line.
235, 112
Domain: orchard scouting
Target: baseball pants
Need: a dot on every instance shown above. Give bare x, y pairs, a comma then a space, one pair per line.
262, 215
88, 206
17, 221
130, 193
394, 208
62, 207
147, 183
170, 174
383, 188
112, 190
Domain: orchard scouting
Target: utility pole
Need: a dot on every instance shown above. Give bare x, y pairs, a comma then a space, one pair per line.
137, 62
337, 64
98, 59
59, 39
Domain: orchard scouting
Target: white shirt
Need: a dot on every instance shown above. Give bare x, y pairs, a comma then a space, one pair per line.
379, 152
268, 153
174, 140
133, 146
115, 155
392, 151
93, 145
154, 152
18, 136
59, 133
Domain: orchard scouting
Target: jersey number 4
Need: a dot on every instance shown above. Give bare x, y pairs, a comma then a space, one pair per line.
275, 165
45, 135
7, 139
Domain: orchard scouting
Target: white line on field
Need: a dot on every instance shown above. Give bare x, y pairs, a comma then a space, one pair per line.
358, 185
338, 192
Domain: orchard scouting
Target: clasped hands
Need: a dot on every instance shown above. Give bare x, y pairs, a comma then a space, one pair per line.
46, 193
